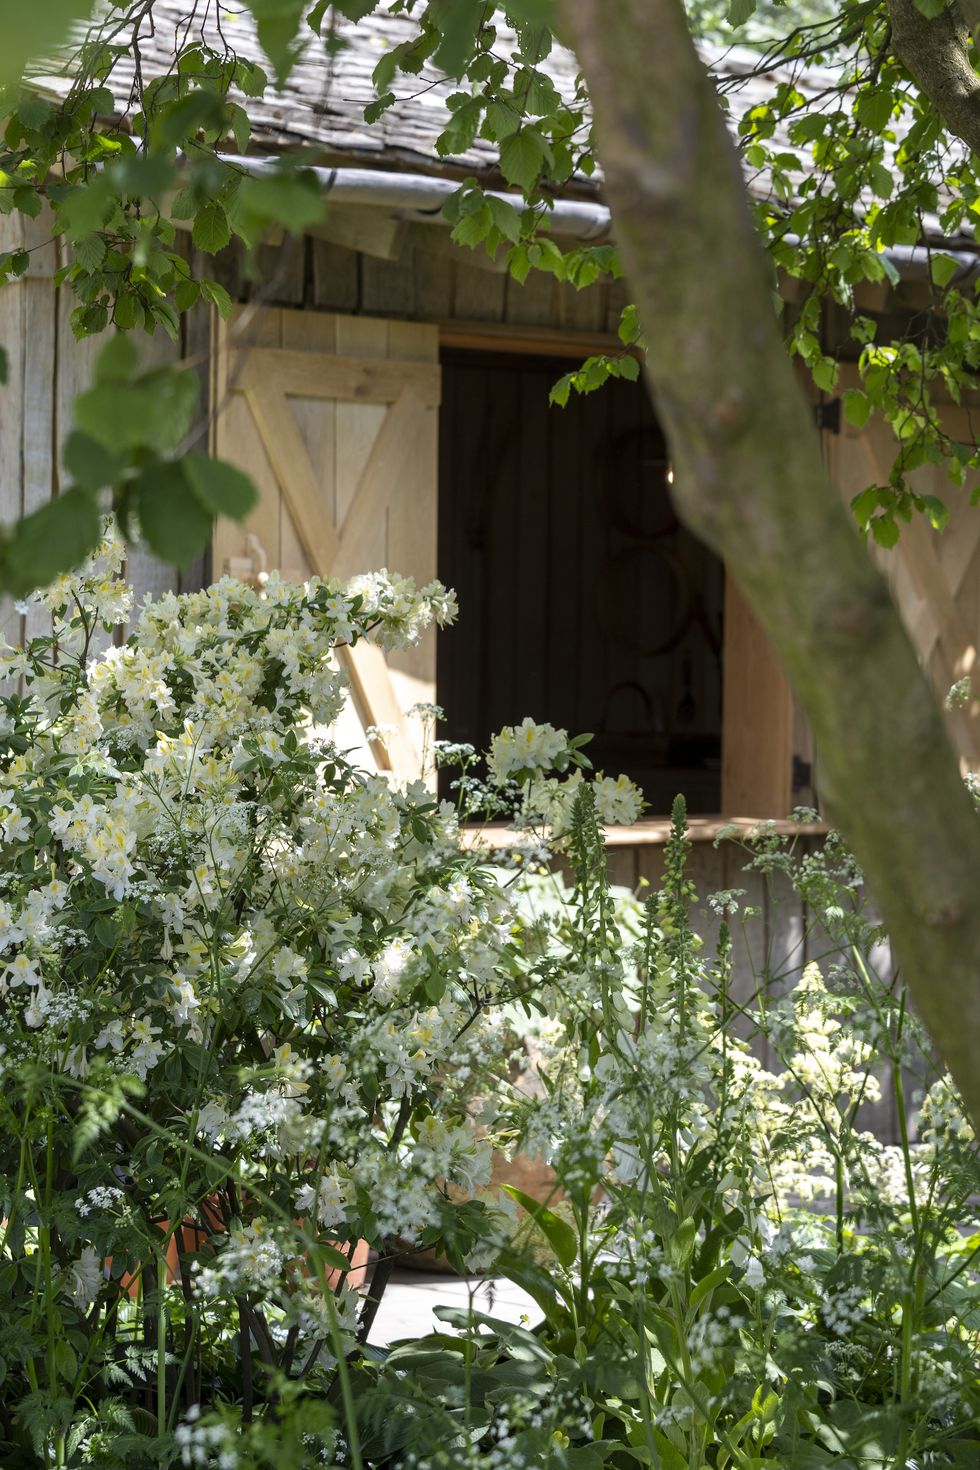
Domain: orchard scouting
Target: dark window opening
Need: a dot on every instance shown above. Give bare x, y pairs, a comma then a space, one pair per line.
583, 601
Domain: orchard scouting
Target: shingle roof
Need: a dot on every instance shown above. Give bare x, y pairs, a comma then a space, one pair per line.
321, 104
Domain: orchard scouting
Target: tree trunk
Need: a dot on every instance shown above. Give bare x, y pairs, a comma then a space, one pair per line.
749, 480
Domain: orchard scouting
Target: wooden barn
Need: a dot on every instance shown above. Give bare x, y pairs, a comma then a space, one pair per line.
388, 392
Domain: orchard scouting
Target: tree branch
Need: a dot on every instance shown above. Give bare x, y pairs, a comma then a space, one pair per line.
749, 480
936, 52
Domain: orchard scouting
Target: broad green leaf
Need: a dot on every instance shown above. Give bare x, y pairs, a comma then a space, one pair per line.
117, 361
458, 22
739, 11
944, 268
172, 519
295, 202
522, 157
49, 541
825, 373
90, 251
857, 407
532, 12
153, 412
874, 108
680, 1245
211, 231
866, 503
33, 30
219, 486
505, 217
88, 462
33, 112
558, 1232
217, 295
885, 531
240, 126
277, 23
473, 227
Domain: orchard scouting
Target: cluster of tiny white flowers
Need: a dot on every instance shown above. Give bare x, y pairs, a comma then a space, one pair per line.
843, 1309
206, 1444
102, 1197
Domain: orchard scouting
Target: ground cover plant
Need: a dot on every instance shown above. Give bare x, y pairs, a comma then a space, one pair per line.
259, 1006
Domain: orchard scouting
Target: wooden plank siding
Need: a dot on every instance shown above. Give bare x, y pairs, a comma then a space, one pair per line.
428, 280
47, 369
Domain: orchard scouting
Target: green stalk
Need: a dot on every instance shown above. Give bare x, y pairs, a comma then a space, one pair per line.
912, 1297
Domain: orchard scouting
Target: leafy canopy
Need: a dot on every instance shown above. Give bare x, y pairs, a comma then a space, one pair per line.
848, 162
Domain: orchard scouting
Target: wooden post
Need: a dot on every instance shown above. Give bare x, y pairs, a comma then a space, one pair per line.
757, 719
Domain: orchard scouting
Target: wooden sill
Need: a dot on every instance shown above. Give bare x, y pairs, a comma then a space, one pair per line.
654, 831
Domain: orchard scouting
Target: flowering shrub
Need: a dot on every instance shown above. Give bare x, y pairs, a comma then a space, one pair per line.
258, 1006
249, 999
737, 1274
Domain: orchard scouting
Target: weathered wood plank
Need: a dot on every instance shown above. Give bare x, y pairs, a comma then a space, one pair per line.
335, 277
350, 379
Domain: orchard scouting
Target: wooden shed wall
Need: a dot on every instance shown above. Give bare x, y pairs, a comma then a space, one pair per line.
47, 367
423, 276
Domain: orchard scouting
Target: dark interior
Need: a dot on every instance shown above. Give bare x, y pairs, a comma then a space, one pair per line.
582, 599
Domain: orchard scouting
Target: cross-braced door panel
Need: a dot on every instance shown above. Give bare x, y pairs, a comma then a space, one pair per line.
336, 420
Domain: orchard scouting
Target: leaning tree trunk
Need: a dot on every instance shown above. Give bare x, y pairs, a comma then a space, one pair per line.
749, 480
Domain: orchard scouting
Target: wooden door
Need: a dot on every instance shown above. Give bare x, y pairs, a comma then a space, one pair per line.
335, 419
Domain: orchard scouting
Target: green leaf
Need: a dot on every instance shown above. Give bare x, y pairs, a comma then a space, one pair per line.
211, 231
277, 23
505, 217
459, 22
865, 504
825, 373
293, 201
186, 294
558, 1232
174, 523
472, 228
874, 109
88, 462
30, 30
239, 125
680, 1245
49, 541
217, 295
944, 268
117, 361
522, 157
739, 11
90, 251
33, 112
154, 412
885, 531
220, 487
857, 407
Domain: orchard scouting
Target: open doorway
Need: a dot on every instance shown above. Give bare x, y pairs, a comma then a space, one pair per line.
583, 601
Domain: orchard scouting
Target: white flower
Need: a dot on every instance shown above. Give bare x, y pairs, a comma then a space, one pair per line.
527, 746
617, 801
22, 970
389, 968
